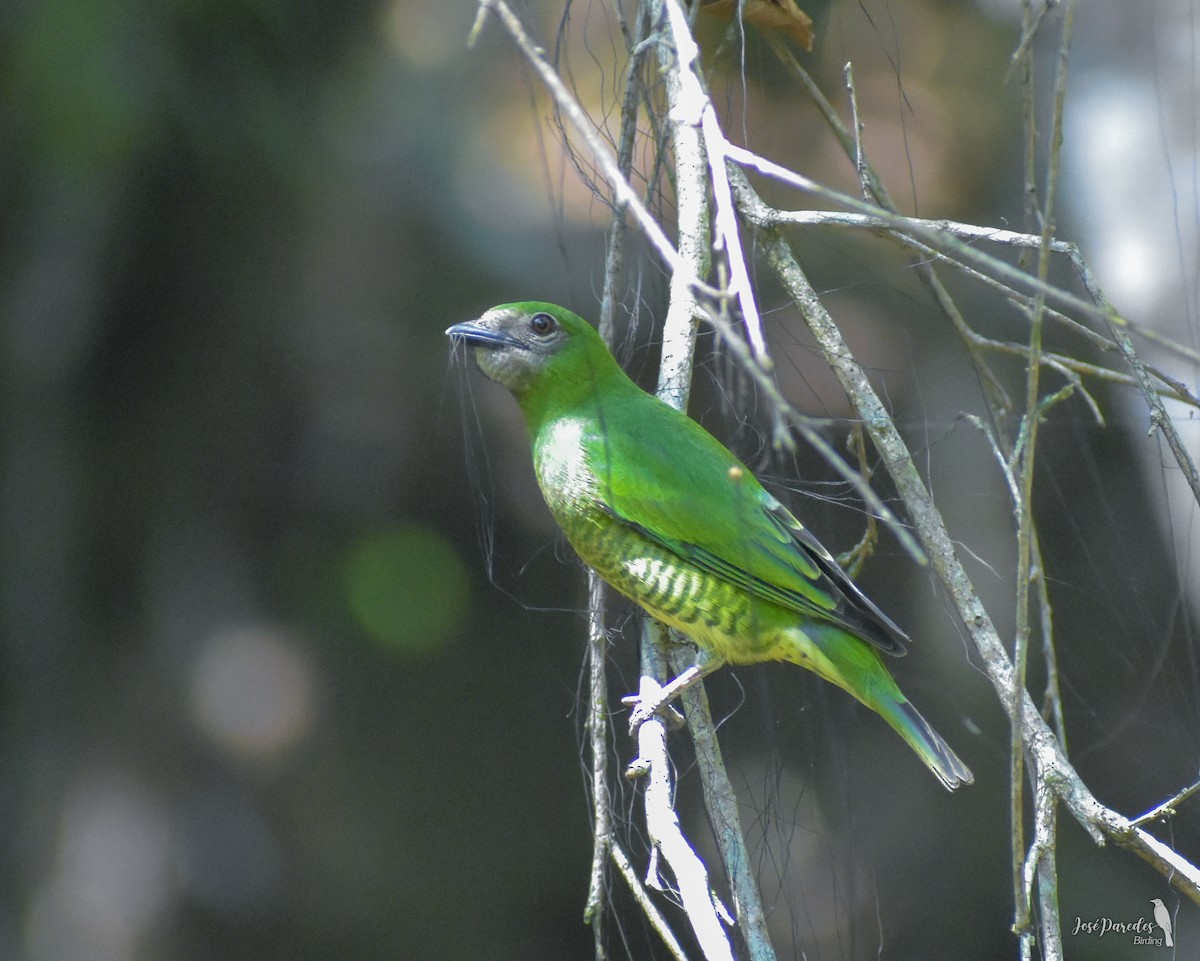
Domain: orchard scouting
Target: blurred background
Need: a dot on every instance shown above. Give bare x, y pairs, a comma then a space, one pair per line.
290, 652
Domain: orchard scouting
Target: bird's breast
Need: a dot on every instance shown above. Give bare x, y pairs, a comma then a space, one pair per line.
567, 478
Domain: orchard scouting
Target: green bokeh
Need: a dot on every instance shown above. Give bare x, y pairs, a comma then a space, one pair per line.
407, 588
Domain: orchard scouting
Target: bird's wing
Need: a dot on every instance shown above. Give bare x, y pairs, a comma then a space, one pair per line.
681, 489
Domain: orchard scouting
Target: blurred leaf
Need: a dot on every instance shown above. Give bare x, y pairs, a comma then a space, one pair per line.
779, 16
407, 588
86, 81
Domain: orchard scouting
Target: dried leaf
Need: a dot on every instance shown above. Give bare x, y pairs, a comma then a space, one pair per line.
781, 16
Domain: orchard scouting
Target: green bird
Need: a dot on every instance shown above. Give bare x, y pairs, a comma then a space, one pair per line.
670, 518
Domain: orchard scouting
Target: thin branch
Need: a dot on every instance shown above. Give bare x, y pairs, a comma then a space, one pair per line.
851, 143
700, 904
866, 179
626, 869
1026, 525
974, 233
693, 226
618, 228
1052, 706
1159, 419
691, 107
939, 240
597, 728
970, 232
721, 801
852, 561
1042, 871
1168, 807
1028, 32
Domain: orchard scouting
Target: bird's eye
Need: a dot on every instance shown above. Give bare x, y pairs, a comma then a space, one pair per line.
542, 324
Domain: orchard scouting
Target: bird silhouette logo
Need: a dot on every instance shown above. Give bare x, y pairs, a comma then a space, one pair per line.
1162, 917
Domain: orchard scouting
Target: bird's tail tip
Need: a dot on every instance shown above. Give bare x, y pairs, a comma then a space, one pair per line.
932, 748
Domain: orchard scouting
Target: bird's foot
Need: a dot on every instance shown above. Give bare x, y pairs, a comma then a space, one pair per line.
646, 707
653, 698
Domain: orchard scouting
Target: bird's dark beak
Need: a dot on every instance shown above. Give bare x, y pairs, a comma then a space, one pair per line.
475, 333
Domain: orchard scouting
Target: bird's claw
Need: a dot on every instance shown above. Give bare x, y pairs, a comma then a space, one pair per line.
644, 709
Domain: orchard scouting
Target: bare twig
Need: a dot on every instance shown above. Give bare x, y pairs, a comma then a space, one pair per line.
1026, 451
597, 728
700, 903
626, 869
1041, 870
615, 248
692, 107
867, 182
694, 240
721, 802
852, 561
1159, 419
972, 233
937, 239
1028, 33
1168, 807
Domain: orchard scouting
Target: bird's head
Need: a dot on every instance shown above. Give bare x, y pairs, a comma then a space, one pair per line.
537, 350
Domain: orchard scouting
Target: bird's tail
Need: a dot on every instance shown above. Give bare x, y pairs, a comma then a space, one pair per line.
856, 667
928, 744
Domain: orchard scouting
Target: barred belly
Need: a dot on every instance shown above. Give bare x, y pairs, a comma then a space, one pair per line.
715, 614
